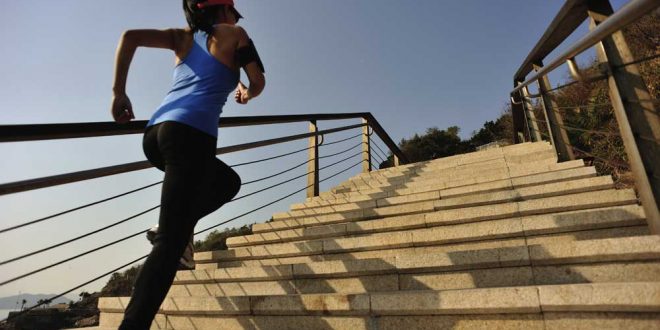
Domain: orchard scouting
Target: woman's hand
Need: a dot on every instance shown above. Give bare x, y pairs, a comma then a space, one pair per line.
121, 109
241, 95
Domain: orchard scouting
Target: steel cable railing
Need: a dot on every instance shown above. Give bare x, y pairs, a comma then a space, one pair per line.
377, 157
78, 237
153, 208
342, 140
299, 165
372, 163
633, 112
278, 200
197, 233
585, 106
584, 80
294, 178
39, 270
378, 152
51, 299
606, 161
637, 61
580, 129
276, 174
58, 131
32, 184
580, 106
624, 16
322, 144
141, 232
381, 159
557, 109
76, 208
341, 152
383, 154
270, 158
157, 183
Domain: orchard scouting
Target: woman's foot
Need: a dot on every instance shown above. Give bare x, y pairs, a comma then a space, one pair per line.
187, 260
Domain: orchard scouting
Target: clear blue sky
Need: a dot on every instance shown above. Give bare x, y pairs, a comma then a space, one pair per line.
412, 64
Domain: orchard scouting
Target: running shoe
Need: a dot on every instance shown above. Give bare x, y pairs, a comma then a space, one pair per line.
187, 260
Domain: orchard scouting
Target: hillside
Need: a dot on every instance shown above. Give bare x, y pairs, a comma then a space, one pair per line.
31, 299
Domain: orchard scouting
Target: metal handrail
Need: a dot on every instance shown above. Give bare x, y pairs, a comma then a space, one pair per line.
39, 132
567, 20
50, 181
15, 133
626, 15
638, 127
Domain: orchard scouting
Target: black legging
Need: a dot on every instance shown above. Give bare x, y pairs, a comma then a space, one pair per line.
196, 184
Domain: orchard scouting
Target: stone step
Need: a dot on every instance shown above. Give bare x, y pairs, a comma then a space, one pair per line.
540, 321
628, 249
395, 190
498, 199
627, 271
494, 186
632, 259
466, 159
451, 163
444, 229
491, 168
560, 172
368, 195
638, 297
429, 168
454, 173
416, 221
423, 168
560, 234
470, 218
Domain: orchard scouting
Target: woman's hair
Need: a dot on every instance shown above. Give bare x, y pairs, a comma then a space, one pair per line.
201, 19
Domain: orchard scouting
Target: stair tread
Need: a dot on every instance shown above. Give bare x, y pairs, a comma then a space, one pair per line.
537, 224
440, 193
593, 297
501, 238
600, 250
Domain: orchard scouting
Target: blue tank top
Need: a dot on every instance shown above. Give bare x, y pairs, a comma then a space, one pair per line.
200, 89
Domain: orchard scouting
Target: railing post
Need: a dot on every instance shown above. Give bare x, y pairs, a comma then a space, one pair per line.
366, 147
554, 119
313, 165
576, 74
526, 134
574, 70
638, 121
535, 134
518, 117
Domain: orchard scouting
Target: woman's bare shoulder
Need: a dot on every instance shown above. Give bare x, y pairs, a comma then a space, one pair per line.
228, 30
182, 39
181, 34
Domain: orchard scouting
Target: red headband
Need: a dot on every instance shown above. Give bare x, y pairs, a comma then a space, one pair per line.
209, 3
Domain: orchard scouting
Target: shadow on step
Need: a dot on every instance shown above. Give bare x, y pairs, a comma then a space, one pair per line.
438, 267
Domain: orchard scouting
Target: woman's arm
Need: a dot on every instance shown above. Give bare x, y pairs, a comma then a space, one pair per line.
254, 72
130, 40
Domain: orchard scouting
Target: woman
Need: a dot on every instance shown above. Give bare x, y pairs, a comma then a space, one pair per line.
181, 136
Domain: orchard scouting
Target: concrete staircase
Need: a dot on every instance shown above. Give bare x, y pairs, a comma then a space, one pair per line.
504, 238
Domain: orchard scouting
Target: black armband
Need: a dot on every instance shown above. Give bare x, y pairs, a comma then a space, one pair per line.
248, 54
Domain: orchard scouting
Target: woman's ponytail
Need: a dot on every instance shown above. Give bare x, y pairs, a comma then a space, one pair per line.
200, 18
